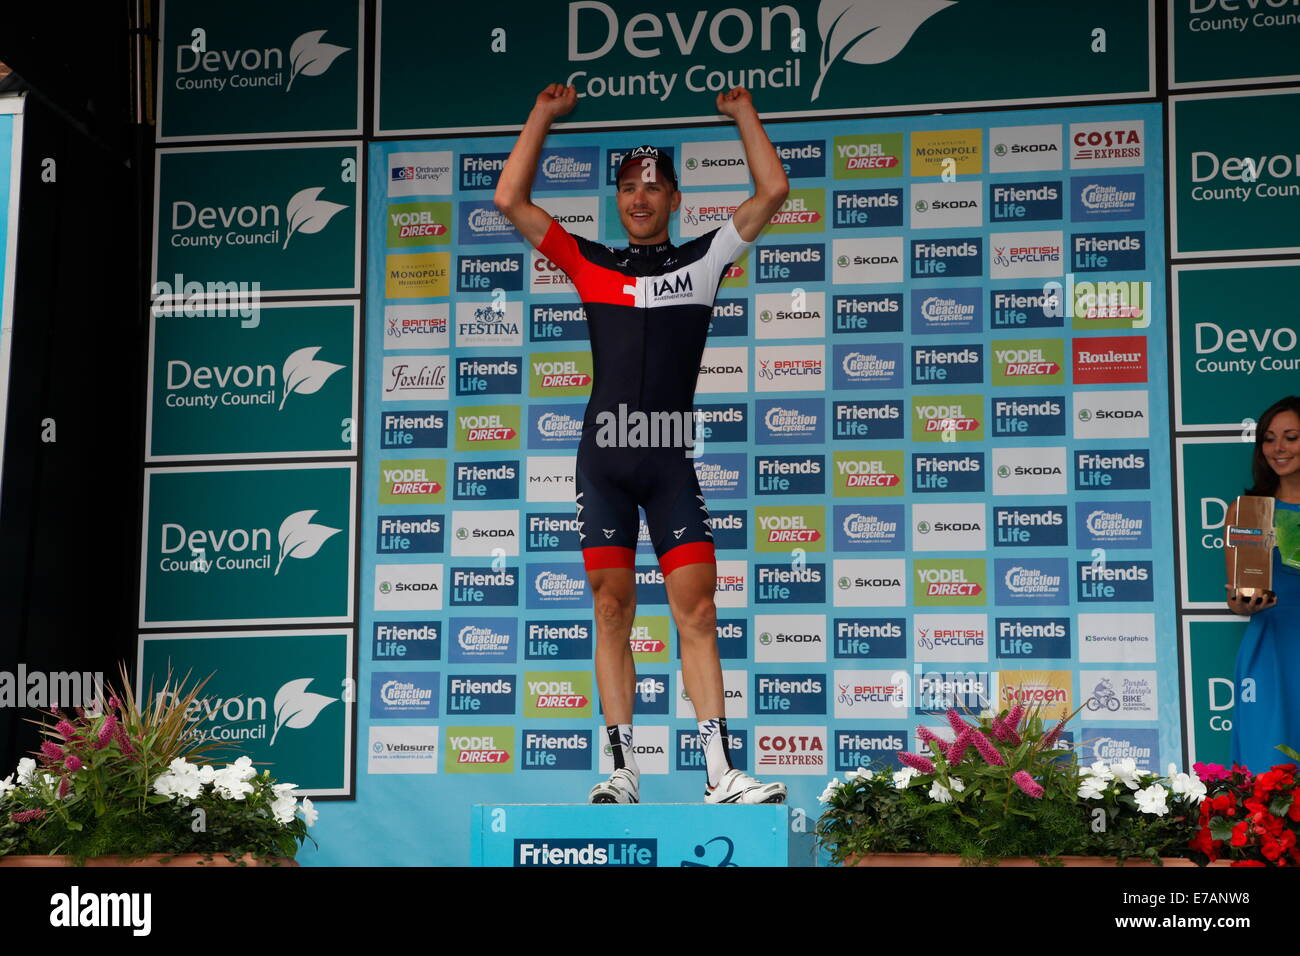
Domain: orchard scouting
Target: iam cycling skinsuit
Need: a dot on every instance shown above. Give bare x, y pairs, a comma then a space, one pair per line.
648, 311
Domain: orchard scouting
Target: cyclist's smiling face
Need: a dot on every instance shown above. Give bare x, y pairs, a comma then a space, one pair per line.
644, 207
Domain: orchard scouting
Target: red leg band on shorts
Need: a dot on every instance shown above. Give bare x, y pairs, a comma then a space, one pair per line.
594, 559
693, 552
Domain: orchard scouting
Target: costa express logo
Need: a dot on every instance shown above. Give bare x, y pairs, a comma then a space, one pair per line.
784, 750
949, 582
780, 529
557, 694
868, 474
479, 749
416, 481
948, 418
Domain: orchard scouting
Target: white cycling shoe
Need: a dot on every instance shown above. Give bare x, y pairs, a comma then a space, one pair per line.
623, 786
736, 786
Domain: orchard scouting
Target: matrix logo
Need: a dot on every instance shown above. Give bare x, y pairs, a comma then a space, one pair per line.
948, 418
778, 529
586, 852
868, 474
479, 749
949, 582
1029, 362
558, 694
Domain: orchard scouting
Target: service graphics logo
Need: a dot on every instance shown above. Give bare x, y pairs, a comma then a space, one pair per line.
238, 544
479, 749
868, 366
703, 212
417, 275
1029, 471
714, 163
1115, 581
1029, 415
868, 157
1040, 526
947, 258
1049, 690
938, 152
866, 261
559, 640
876, 527
864, 748
1018, 255
1113, 524
481, 694
1108, 251
948, 527
1121, 743
424, 327
790, 638
413, 378
790, 750
419, 174
735, 694
407, 640
550, 479
950, 637
790, 263
418, 224
425, 428
779, 529
1032, 581
802, 158
790, 316
723, 371
944, 311
556, 585
487, 427
556, 749
402, 749
1107, 144
948, 472
572, 168
409, 534
795, 583
1111, 414
795, 421
870, 582
949, 582
1029, 362
947, 205
408, 587
1039, 308
867, 208
557, 694
870, 637
649, 747
1022, 149
871, 695
486, 480
1104, 198
480, 639
1025, 202
952, 365
790, 368
947, 418
1034, 638
488, 273
485, 533
1115, 638
403, 694
875, 419
1119, 695
1115, 469
413, 481
868, 474
804, 210
690, 752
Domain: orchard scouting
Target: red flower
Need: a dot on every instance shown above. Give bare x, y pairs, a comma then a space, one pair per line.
1248, 863
1239, 833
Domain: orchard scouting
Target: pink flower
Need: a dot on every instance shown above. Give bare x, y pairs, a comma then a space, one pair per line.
114, 703
65, 729
955, 721
986, 748
916, 762
958, 748
1009, 735
1015, 716
122, 740
64, 787
22, 816
926, 735
72, 763
106, 733
1028, 784
1049, 741
1210, 772
51, 750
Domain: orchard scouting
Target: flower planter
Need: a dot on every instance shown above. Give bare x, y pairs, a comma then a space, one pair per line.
153, 859
951, 859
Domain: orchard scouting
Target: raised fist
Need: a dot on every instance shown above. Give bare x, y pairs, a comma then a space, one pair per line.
732, 101
556, 100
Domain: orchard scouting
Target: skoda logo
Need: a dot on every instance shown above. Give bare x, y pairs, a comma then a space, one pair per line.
1084, 415
384, 587
922, 206
1003, 471
765, 315
1000, 149
765, 638
842, 261
923, 527
691, 163
462, 534
843, 584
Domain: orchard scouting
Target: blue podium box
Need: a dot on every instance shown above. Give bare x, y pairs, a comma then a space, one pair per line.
653, 834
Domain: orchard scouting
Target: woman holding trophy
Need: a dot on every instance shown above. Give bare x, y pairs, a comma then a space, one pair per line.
1261, 576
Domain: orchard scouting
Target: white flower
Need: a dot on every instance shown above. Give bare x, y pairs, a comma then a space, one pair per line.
1126, 772
181, 765
229, 784
1152, 800
956, 784
207, 773
1101, 770
862, 773
831, 789
26, 769
940, 793
309, 813
1091, 788
6, 785
244, 768
282, 788
283, 808
50, 779
902, 778
172, 784
1187, 785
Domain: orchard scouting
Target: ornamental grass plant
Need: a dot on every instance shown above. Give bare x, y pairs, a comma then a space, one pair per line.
127, 778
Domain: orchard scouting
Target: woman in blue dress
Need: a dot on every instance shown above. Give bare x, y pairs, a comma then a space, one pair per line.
1267, 711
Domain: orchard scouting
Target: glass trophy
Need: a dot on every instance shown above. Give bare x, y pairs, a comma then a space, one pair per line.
1250, 543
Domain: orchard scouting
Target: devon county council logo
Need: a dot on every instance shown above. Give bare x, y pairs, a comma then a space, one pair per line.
868, 31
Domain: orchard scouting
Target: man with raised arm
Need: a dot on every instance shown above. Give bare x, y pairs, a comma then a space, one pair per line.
648, 309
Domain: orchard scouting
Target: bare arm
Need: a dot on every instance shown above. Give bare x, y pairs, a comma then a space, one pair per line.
515, 186
770, 183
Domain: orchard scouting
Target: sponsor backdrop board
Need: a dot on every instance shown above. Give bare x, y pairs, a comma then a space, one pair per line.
647, 63
1234, 173
1237, 341
292, 712
1214, 470
935, 420
249, 70
1210, 647
1228, 43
